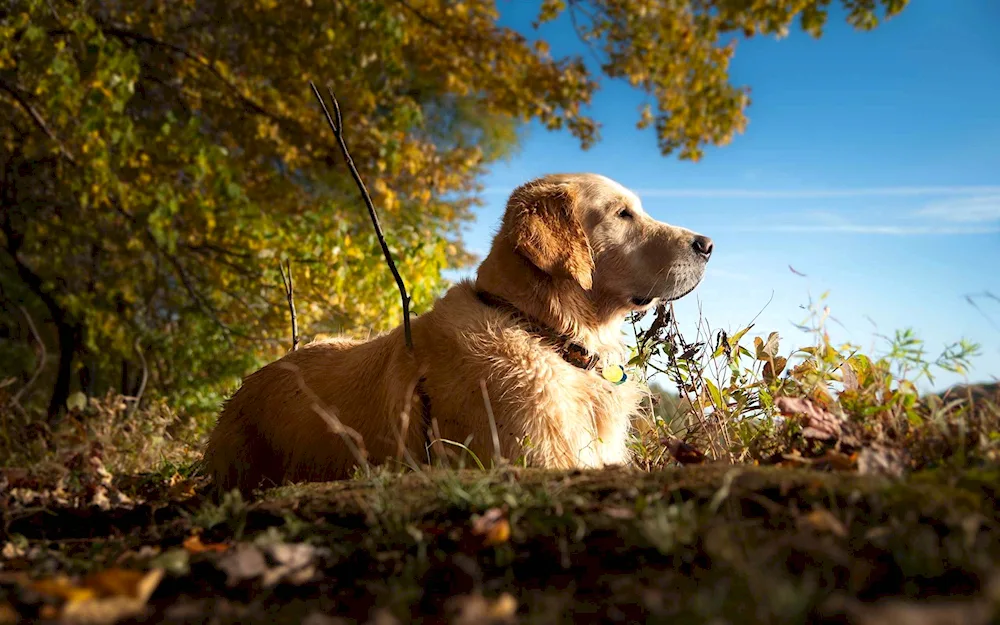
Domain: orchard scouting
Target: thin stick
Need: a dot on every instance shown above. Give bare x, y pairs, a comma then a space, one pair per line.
43, 358
337, 126
143, 381
352, 439
290, 296
497, 455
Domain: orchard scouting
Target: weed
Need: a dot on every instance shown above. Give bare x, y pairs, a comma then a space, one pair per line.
727, 390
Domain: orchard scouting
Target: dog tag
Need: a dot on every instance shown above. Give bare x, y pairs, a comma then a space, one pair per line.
614, 374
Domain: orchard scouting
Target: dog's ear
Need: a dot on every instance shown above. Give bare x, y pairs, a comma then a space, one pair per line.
543, 227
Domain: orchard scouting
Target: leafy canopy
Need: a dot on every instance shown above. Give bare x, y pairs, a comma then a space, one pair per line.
159, 158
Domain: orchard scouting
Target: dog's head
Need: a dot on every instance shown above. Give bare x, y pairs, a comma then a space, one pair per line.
590, 231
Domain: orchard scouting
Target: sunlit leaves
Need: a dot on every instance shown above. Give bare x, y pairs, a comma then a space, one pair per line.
679, 52
166, 154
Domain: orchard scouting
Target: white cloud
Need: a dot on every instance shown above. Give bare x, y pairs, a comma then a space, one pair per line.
800, 194
985, 208
795, 194
879, 229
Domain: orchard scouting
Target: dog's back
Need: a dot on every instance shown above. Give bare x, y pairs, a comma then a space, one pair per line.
310, 414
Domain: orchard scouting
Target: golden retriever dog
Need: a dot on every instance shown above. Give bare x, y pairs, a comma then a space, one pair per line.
510, 363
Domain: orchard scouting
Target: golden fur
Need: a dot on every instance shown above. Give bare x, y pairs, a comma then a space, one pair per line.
575, 252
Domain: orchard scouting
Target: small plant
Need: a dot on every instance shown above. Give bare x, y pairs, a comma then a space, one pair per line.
231, 511
738, 402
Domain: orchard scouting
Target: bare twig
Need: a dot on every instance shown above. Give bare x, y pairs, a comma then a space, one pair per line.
352, 438
145, 378
36, 117
43, 358
336, 124
122, 33
971, 299
402, 447
200, 300
286, 280
497, 455
660, 321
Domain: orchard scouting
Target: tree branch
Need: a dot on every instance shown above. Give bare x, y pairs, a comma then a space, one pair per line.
142, 383
36, 117
338, 131
290, 295
122, 33
199, 300
43, 358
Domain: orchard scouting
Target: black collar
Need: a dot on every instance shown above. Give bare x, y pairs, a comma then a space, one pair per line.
573, 353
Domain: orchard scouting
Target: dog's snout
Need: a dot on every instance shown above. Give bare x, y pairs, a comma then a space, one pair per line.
703, 246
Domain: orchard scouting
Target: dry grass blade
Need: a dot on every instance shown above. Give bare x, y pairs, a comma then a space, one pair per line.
354, 441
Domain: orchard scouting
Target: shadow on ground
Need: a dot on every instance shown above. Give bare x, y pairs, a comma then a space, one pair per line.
698, 544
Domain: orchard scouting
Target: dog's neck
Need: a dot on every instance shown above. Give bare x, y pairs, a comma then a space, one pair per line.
561, 304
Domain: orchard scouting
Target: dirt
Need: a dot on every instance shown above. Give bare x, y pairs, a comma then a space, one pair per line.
712, 543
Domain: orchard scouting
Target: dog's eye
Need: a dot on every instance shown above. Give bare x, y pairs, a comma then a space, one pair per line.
626, 213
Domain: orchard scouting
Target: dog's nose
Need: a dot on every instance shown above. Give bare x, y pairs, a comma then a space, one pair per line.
703, 245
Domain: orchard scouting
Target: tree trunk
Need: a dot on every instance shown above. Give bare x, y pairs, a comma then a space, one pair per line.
68, 336
67, 331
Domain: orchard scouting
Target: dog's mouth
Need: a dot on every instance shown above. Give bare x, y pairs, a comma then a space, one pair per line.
642, 302
677, 297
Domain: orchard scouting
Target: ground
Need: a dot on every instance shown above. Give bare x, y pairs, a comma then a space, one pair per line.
710, 543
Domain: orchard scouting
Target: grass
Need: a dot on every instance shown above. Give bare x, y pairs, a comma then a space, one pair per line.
741, 544
815, 485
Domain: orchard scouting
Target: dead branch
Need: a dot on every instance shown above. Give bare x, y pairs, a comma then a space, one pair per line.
43, 358
497, 455
660, 321
336, 124
352, 438
142, 383
119, 32
36, 117
286, 280
199, 299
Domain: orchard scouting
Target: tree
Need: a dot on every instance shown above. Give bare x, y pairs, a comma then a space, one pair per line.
159, 158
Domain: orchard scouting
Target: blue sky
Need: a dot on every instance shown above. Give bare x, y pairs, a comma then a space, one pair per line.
871, 164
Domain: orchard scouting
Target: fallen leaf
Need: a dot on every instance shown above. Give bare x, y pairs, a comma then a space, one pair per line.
908, 612
290, 563
242, 563
823, 521
381, 616
848, 377
173, 561
318, 618
878, 459
7, 614
839, 461
76, 401
104, 597
62, 587
619, 512
11, 551
100, 498
120, 582
294, 563
492, 526
180, 488
478, 610
817, 423
193, 544
682, 452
